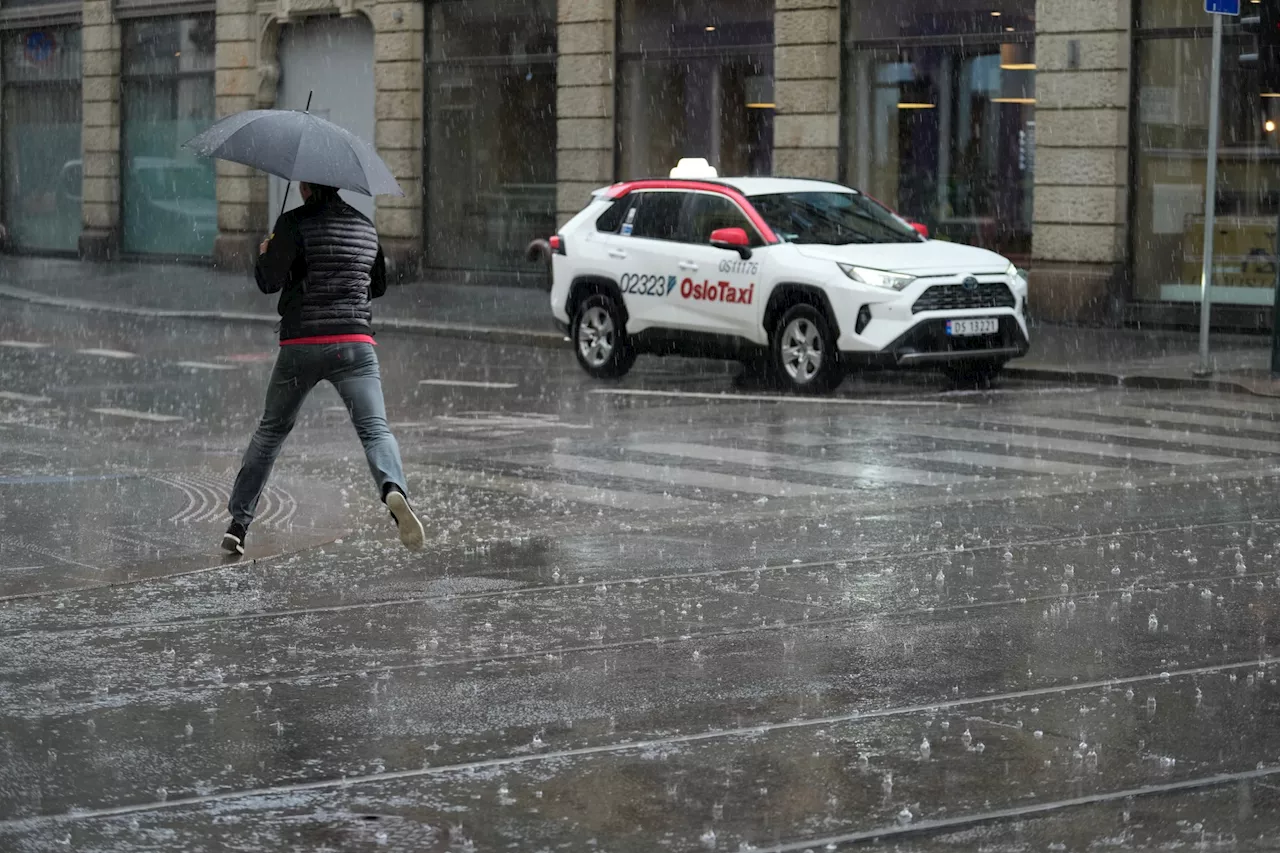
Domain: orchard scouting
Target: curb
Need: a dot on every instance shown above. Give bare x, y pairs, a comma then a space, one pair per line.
487, 334
556, 340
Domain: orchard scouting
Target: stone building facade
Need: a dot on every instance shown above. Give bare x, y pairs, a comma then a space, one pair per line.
1007, 123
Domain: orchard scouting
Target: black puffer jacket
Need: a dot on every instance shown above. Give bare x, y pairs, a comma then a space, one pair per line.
325, 261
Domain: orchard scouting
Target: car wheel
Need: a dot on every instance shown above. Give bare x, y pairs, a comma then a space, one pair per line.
803, 351
973, 374
600, 338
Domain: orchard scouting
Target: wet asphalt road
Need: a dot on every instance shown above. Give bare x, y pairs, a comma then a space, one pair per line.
650, 617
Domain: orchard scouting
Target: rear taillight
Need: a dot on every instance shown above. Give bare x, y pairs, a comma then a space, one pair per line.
557, 244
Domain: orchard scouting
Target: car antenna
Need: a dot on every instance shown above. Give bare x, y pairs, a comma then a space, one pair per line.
288, 184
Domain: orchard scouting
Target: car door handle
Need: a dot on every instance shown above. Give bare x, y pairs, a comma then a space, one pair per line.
688, 266
617, 254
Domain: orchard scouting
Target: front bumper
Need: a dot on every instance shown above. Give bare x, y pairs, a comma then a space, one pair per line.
928, 343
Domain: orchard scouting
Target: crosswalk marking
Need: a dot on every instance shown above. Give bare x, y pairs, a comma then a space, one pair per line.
28, 345
34, 399
107, 353
1190, 418
1234, 404
1058, 445
767, 398
205, 365
542, 490
676, 476
463, 383
1011, 463
757, 459
136, 415
1125, 431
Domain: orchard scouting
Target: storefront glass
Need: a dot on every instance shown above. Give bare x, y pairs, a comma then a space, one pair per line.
491, 132
696, 80
168, 202
939, 115
41, 131
1172, 132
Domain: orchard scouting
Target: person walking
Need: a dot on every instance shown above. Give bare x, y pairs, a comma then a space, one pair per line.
325, 261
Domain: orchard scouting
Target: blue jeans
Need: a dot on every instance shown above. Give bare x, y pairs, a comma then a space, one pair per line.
353, 371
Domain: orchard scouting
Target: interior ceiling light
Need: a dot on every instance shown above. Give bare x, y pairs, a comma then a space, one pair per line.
996, 14
710, 29
915, 105
1019, 66
762, 106
1013, 100
1270, 126
1271, 94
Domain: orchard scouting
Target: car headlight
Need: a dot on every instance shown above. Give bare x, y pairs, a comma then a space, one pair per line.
1018, 277
877, 278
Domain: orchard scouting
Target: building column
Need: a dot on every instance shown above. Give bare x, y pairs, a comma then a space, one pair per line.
807, 89
398, 73
1080, 234
241, 191
100, 146
584, 101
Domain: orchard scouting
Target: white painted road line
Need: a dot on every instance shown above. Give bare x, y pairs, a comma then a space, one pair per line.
1259, 424
675, 476
29, 345
1170, 436
1008, 463
1050, 444
107, 353
767, 398
543, 490
23, 398
137, 416
836, 468
462, 383
205, 365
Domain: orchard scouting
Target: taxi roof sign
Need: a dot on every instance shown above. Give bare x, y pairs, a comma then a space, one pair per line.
694, 167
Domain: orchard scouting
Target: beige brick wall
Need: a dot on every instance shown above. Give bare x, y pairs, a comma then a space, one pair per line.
398, 45
100, 138
1082, 132
584, 101
241, 191
807, 88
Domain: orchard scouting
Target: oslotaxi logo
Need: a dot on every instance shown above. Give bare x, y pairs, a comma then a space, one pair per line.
720, 291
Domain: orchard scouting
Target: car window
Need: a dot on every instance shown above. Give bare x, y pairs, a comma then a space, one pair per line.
655, 215
611, 219
708, 212
832, 218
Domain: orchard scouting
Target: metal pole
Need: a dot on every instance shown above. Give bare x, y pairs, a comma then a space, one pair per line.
1210, 197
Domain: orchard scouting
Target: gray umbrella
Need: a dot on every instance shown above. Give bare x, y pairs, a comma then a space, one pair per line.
298, 146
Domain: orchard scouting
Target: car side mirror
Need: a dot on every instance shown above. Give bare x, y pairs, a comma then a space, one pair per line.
733, 240
921, 229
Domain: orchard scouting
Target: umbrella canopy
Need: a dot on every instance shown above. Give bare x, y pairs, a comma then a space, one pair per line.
298, 146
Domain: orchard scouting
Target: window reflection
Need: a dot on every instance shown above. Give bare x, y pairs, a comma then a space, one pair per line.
41, 163
940, 116
491, 143
696, 81
168, 201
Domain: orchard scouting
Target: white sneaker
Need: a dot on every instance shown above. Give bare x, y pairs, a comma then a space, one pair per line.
411, 532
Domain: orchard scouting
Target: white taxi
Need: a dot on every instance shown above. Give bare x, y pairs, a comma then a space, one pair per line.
814, 276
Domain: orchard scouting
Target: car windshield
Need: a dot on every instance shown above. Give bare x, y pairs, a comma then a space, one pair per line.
832, 218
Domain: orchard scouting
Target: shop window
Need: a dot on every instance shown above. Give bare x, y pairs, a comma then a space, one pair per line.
1170, 144
695, 80
491, 132
168, 202
41, 169
940, 116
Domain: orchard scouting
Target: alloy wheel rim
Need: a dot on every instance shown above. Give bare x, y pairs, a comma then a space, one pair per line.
802, 350
596, 336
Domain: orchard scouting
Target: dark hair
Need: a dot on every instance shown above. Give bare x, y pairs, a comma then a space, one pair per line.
320, 192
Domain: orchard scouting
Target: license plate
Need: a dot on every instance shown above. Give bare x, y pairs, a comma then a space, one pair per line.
967, 328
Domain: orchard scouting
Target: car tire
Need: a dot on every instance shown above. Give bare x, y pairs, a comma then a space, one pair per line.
599, 337
803, 356
973, 374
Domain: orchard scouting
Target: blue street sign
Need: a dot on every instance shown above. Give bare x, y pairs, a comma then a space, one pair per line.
1222, 7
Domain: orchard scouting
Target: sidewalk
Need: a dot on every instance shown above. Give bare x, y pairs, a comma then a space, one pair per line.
1132, 357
